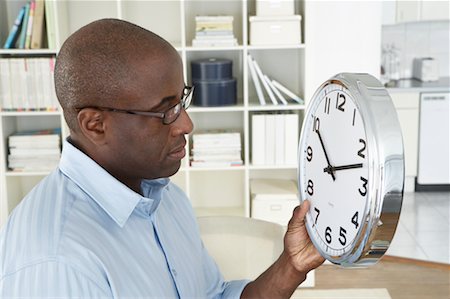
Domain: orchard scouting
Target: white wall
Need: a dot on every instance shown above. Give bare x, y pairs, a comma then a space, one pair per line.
341, 36
420, 39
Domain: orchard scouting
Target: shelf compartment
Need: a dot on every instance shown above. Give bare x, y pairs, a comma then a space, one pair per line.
16, 122
207, 198
237, 59
288, 71
232, 121
18, 187
72, 15
220, 120
217, 7
154, 16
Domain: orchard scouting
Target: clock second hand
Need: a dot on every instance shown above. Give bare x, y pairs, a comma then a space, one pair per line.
326, 156
332, 169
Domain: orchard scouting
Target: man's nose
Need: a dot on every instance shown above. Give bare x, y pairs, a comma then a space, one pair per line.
184, 123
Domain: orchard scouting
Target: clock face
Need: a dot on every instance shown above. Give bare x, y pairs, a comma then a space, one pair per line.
334, 169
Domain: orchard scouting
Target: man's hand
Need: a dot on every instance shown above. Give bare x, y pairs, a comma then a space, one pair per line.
298, 258
297, 244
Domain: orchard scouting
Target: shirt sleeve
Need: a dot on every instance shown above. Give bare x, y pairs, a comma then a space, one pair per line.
51, 279
217, 287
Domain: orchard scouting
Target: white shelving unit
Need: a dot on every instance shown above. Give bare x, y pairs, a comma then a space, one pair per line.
301, 68
212, 190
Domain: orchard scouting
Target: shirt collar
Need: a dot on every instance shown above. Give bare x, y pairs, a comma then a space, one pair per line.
115, 198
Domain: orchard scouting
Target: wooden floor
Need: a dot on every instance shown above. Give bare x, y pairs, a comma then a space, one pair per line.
403, 278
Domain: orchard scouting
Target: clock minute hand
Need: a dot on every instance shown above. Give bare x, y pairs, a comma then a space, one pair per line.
326, 156
331, 169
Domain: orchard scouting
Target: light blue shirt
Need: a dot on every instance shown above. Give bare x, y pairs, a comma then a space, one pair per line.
82, 233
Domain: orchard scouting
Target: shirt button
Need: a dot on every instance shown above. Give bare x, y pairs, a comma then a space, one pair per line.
174, 272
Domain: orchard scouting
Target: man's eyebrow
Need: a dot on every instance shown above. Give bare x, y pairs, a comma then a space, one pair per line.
164, 101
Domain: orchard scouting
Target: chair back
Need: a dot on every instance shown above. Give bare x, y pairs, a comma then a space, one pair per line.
242, 247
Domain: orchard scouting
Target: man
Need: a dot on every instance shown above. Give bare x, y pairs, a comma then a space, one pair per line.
107, 222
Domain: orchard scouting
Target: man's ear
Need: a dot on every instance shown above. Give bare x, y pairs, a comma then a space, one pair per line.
92, 125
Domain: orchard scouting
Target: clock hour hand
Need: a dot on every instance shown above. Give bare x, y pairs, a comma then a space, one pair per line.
331, 169
326, 156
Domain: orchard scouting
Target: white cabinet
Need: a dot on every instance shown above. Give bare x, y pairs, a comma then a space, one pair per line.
407, 105
401, 11
212, 190
435, 10
408, 11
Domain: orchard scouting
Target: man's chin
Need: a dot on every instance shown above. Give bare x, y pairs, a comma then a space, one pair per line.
167, 171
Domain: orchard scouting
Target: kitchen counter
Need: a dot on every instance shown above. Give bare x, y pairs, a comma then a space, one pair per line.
414, 85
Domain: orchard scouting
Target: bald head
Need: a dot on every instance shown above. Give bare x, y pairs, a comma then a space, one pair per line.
97, 64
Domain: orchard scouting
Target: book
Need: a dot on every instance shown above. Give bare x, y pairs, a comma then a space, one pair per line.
23, 30
15, 30
258, 139
291, 135
30, 24
34, 150
217, 18
36, 135
27, 84
5, 85
37, 34
279, 142
16, 67
214, 31
214, 42
255, 79
270, 139
24, 151
266, 86
287, 92
50, 23
275, 90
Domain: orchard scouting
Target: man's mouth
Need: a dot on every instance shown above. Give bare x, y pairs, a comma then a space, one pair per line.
178, 153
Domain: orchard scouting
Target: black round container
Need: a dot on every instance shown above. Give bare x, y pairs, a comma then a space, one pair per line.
215, 92
214, 82
211, 69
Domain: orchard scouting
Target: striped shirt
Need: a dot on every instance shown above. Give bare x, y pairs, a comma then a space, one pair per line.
82, 233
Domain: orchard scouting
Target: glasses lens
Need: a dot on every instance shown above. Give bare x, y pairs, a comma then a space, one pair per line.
172, 114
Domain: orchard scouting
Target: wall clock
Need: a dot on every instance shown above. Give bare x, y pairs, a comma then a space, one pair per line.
351, 168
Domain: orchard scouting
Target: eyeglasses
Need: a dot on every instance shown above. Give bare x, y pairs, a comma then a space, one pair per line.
168, 117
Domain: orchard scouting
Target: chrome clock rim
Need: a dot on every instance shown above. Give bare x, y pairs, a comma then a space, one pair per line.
385, 150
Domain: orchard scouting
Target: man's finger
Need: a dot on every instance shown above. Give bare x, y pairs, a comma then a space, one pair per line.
304, 208
299, 213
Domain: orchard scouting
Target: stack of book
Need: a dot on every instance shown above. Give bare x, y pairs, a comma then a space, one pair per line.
34, 26
34, 150
214, 31
216, 150
275, 139
275, 90
26, 84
